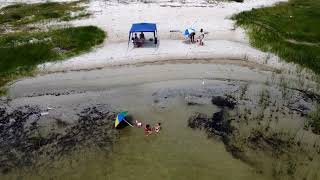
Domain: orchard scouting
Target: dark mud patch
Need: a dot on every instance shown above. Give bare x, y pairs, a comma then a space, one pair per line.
14, 139
216, 126
23, 145
309, 95
219, 124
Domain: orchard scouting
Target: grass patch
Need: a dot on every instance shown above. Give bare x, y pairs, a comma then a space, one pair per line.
21, 14
290, 30
3, 92
21, 52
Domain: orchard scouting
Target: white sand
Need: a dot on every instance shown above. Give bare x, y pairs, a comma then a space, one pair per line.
223, 40
116, 19
119, 53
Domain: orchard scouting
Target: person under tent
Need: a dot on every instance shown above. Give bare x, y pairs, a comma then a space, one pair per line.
136, 41
142, 28
141, 36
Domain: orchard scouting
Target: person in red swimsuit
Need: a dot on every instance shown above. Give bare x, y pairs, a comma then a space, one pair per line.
147, 130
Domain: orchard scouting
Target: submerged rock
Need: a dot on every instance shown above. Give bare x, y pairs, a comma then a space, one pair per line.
222, 102
218, 124
198, 121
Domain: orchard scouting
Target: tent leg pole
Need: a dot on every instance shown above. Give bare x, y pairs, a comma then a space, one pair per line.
128, 123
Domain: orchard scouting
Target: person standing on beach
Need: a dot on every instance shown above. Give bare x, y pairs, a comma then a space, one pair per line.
201, 37
192, 37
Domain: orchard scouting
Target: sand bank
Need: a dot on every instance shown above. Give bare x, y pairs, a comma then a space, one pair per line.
112, 54
113, 78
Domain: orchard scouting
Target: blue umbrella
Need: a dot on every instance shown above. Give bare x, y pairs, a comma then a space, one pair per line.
188, 31
121, 117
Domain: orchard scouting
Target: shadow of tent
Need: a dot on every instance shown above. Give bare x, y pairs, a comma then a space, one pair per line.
149, 43
124, 124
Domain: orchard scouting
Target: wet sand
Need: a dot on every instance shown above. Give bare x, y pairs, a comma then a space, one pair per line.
126, 76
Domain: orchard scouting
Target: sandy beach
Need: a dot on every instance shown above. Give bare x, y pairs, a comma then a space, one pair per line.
223, 39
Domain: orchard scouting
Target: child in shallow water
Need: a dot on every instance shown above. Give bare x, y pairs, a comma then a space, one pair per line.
147, 130
138, 124
157, 127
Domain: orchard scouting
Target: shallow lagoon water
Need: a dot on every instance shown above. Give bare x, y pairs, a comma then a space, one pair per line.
177, 152
151, 94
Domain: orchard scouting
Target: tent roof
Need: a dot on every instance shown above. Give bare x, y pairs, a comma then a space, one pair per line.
143, 27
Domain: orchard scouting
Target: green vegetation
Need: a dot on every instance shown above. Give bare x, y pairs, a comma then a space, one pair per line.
22, 49
21, 14
21, 52
314, 120
290, 30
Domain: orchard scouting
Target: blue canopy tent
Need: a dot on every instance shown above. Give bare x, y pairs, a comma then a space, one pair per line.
144, 27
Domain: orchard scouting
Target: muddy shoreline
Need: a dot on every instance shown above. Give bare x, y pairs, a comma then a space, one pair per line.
26, 141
